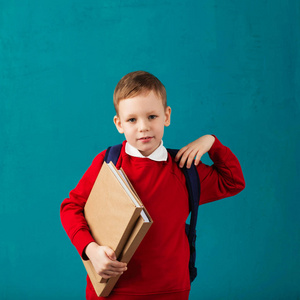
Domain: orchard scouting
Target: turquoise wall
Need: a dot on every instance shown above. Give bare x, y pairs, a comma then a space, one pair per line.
231, 68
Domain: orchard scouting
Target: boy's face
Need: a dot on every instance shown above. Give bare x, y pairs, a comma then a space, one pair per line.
142, 120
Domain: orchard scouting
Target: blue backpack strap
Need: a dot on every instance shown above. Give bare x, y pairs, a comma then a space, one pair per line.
112, 154
193, 187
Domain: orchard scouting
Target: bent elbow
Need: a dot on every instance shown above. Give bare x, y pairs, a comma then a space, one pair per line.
240, 185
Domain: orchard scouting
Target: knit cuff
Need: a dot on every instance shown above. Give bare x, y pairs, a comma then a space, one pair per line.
80, 240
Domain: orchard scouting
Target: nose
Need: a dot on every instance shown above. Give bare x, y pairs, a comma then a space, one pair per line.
143, 125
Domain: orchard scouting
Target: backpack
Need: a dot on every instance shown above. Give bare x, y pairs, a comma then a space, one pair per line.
193, 186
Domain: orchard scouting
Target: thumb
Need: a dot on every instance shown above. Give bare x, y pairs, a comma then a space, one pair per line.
110, 253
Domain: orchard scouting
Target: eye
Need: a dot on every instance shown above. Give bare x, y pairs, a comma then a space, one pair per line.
131, 120
152, 117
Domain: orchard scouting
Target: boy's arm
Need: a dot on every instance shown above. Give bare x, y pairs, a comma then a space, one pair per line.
72, 217
72, 208
224, 178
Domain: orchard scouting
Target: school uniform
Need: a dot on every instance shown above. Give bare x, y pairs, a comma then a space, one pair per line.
159, 267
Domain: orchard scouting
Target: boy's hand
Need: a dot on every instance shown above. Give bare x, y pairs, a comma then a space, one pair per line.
104, 261
194, 150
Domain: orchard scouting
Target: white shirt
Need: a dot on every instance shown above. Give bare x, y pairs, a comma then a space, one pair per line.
160, 154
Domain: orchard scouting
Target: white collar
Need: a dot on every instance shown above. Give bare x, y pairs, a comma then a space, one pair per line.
160, 154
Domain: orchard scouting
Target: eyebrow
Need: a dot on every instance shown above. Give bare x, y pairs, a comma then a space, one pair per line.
152, 112
132, 115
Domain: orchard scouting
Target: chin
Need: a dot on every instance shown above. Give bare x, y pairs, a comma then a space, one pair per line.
146, 152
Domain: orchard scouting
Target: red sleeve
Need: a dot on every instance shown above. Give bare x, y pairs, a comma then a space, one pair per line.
224, 178
71, 210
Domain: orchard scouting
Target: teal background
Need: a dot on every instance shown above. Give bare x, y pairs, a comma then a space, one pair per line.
230, 68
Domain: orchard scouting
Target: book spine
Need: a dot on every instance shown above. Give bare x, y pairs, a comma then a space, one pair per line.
139, 231
126, 235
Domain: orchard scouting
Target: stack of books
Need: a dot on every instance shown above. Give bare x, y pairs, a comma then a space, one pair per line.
117, 219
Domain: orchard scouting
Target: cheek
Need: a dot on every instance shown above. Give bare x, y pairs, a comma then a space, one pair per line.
128, 130
160, 128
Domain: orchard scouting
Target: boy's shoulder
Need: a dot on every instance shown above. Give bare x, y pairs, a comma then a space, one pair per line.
112, 153
102, 156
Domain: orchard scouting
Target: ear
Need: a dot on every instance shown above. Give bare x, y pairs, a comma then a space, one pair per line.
168, 116
118, 124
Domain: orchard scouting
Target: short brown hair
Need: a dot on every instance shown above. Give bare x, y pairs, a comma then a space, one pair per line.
136, 83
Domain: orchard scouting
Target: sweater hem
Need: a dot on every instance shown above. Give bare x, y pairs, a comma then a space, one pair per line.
152, 293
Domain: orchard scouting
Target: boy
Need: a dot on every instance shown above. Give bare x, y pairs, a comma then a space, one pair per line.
159, 267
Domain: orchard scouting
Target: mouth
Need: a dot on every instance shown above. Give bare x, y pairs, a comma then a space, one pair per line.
146, 139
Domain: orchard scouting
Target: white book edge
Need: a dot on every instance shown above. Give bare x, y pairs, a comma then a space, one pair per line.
123, 185
143, 214
119, 176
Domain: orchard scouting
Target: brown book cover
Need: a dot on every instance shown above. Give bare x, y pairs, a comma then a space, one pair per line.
137, 235
116, 218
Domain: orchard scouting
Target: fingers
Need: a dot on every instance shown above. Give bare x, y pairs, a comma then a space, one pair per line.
189, 159
112, 266
110, 275
188, 155
117, 266
194, 151
183, 156
110, 253
113, 271
179, 153
113, 262
198, 158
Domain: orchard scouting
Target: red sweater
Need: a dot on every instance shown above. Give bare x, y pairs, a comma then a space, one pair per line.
160, 264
